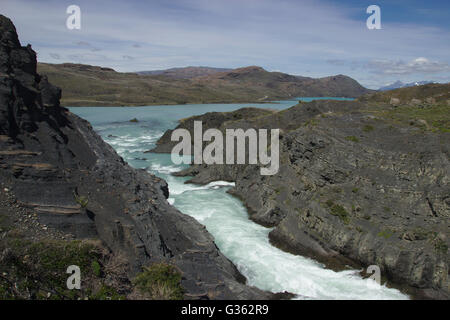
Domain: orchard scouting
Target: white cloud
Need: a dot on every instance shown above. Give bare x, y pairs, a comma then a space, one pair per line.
54, 56
87, 45
415, 66
291, 36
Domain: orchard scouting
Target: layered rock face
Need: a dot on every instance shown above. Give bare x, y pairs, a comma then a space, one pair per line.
53, 161
352, 188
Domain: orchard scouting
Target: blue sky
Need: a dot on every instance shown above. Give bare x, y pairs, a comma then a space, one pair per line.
304, 37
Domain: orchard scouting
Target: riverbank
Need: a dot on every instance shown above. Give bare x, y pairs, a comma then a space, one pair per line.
350, 184
244, 242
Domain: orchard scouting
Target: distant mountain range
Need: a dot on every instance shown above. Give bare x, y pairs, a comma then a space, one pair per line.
399, 84
186, 72
84, 85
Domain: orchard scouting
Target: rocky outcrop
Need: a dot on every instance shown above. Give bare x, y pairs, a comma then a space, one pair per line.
54, 163
352, 188
422, 95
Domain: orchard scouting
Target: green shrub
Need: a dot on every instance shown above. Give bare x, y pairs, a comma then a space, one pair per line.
440, 246
339, 211
96, 268
81, 200
160, 281
368, 128
352, 138
106, 293
329, 203
312, 122
385, 234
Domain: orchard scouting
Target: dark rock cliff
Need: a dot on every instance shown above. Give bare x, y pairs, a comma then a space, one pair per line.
50, 159
352, 188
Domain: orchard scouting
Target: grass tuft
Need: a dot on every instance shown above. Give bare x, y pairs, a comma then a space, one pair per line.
160, 281
338, 210
352, 138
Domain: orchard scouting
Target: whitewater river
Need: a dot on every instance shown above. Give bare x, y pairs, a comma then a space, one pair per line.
241, 240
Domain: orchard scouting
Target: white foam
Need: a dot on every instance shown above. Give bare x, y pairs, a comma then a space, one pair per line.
177, 186
246, 244
167, 169
218, 184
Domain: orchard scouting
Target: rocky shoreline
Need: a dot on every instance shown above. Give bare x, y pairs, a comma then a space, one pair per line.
353, 189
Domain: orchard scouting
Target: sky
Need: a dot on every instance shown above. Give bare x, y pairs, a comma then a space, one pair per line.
314, 38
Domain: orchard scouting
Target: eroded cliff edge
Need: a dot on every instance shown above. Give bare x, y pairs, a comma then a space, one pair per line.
356, 186
53, 163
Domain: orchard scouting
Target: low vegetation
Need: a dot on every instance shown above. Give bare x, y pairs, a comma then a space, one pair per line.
81, 200
426, 107
352, 139
339, 211
84, 85
37, 270
160, 281
386, 234
33, 269
434, 118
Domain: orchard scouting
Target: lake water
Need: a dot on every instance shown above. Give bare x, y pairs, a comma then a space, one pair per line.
241, 240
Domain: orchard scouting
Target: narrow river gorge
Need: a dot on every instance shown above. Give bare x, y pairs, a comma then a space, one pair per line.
241, 240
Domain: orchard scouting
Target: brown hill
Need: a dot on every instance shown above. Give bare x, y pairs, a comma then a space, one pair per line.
84, 85
185, 73
287, 85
